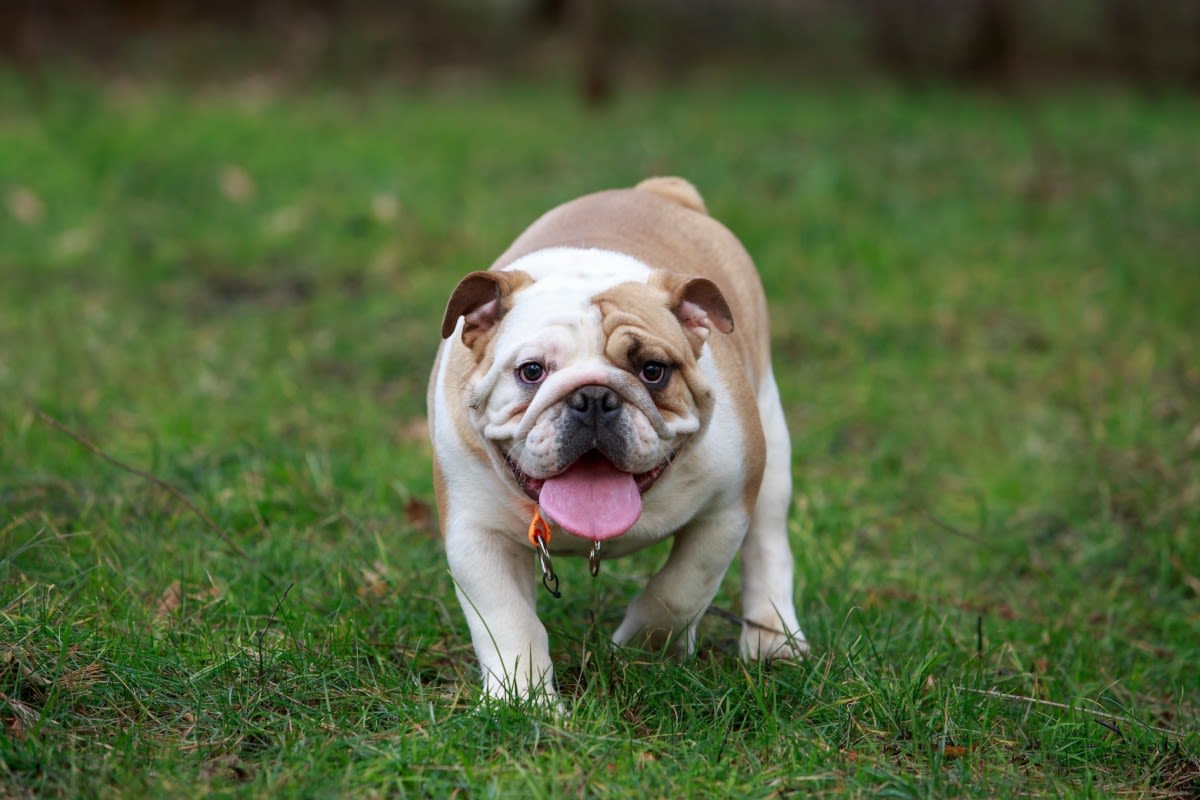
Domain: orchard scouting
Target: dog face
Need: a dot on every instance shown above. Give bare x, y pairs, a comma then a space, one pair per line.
588, 378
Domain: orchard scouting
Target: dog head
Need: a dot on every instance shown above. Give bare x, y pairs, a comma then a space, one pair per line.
586, 377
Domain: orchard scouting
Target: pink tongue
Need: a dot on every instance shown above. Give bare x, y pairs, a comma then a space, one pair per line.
592, 499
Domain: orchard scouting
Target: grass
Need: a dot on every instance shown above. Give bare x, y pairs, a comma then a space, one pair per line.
986, 338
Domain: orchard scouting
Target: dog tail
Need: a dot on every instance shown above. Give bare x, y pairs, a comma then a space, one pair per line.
677, 190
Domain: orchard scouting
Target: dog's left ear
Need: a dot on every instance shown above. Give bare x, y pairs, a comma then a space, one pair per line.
699, 306
482, 299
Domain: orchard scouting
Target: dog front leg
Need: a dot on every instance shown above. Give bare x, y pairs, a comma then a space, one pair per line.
668, 609
494, 580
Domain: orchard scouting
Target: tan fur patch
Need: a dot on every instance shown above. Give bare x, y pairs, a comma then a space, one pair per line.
439, 493
639, 327
460, 373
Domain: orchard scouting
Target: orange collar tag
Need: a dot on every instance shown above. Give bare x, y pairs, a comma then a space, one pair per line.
539, 530
539, 537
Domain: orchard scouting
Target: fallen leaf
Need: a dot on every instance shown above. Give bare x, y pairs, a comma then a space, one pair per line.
24, 205
236, 184
375, 583
75, 242
418, 513
387, 261
414, 430
285, 221
384, 207
168, 603
15, 727
24, 715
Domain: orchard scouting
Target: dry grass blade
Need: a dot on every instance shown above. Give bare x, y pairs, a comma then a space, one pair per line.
1100, 716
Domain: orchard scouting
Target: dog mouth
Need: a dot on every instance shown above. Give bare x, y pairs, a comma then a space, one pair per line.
591, 498
533, 486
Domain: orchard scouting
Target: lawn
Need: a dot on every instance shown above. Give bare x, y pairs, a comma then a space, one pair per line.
986, 315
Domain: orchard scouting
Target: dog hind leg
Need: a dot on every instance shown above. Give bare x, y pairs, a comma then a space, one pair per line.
768, 570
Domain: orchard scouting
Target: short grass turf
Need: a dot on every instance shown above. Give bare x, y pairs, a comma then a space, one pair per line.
986, 317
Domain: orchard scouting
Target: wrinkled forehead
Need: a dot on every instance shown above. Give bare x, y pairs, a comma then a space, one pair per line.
560, 301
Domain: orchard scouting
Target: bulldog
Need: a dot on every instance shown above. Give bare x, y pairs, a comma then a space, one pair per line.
592, 396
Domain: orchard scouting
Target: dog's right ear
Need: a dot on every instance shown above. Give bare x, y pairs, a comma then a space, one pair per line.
481, 299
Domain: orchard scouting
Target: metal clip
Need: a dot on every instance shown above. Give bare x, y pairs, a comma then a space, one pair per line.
594, 559
549, 577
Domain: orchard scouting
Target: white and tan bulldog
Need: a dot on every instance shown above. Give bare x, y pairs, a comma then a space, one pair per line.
594, 377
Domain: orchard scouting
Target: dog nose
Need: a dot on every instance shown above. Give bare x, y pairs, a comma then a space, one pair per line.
594, 405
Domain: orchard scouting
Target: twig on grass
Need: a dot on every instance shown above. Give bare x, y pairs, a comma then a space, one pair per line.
1001, 610
946, 526
1101, 717
263, 631
729, 616
154, 479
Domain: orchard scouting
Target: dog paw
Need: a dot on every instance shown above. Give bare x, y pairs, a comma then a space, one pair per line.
663, 641
760, 643
541, 705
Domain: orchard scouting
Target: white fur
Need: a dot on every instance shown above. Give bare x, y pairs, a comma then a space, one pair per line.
591, 266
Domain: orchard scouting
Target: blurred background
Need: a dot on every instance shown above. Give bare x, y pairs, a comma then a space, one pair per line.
605, 44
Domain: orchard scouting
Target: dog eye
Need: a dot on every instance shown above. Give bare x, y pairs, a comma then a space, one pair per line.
531, 372
655, 374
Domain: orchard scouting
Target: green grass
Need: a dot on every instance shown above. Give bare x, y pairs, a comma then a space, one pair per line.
987, 338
